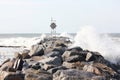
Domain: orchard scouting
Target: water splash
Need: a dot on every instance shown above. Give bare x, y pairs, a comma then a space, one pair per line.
89, 38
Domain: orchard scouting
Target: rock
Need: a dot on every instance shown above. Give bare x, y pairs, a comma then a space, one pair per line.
92, 69
25, 54
37, 58
52, 61
53, 54
60, 43
7, 65
61, 50
95, 56
105, 70
17, 55
32, 74
99, 78
75, 49
75, 58
37, 50
75, 65
47, 66
18, 64
67, 54
11, 76
8, 69
72, 74
53, 70
7, 60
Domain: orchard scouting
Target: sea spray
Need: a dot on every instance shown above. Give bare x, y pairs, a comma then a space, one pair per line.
89, 38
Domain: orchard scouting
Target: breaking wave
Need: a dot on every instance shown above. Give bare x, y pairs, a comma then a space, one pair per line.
89, 38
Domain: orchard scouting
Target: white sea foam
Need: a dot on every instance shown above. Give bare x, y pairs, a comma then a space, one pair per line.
21, 41
89, 38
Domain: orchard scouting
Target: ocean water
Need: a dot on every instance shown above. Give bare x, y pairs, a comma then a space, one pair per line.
107, 44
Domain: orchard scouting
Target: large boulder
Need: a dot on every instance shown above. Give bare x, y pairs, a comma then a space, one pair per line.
72, 74
11, 76
31, 74
37, 50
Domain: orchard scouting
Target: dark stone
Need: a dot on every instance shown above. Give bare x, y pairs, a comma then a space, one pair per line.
75, 49
75, 58
18, 65
53, 70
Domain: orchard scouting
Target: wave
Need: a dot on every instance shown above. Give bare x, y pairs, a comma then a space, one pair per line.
89, 38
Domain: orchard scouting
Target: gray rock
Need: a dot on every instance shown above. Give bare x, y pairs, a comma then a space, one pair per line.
53, 70
72, 74
32, 74
52, 60
53, 54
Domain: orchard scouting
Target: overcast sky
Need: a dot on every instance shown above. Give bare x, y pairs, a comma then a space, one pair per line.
33, 16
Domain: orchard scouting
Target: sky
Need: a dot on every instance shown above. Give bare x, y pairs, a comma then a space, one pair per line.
34, 16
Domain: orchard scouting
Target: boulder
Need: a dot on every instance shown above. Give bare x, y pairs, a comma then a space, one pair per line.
67, 54
18, 64
52, 61
53, 54
53, 70
25, 54
75, 49
37, 50
7, 60
31, 74
75, 65
75, 58
7, 65
11, 76
92, 69
95, 56
17, 55
72, 74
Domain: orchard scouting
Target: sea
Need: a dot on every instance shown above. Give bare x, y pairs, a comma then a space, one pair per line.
107, 44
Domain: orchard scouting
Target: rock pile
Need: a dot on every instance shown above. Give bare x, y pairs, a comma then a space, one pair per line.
51, 59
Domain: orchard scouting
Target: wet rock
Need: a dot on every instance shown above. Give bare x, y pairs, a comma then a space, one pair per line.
95, 56
72, 74
75, 49
37, 50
